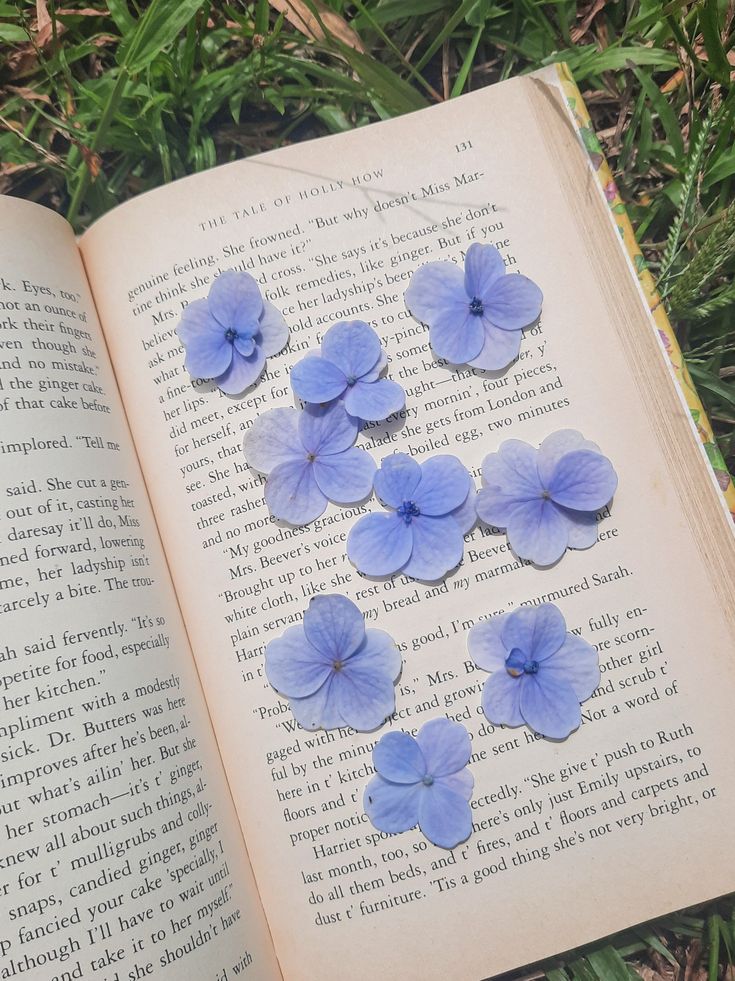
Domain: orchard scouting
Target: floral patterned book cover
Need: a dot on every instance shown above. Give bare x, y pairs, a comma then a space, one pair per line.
659, 319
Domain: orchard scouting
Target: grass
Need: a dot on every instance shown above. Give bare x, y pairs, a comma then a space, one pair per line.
101, 101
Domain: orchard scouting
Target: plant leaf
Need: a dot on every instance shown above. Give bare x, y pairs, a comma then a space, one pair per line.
609, 965
12, 34
157, 28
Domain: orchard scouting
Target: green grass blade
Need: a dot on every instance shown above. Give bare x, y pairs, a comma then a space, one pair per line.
608, 965
665, 113
124, 21
461, 79
709, 22
456, 18
12, 34
392, 91
158, 27
713, 953
557, 974
395, 10
651, 940
726, 393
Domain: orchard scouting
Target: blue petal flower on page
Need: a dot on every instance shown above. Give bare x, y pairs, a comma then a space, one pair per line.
423, 781
333, 671
476, 316
309, 459
228, 336
432, 508
349, 367
540, 672
546, 499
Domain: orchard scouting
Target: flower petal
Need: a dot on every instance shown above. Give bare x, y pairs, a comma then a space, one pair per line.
235, 301
273, 329
577, 663
292, 493
379, 544
537, 531
318, 710
365, 695
582, 527
345, 477
208, 352
462, 782
514, 460
485, 644
392, 807
511, 477
242, 373
326, 429
458, 341
445, 818
397, 479
438, 546
466, 514
437, 288
294, 666
379, 648
445, 745
494, 507
537, 631
315, 379
549, 705
444, 485
557, 445
244, 346
436, 296
374, 401
499, 348
353, 346
334, 626
377, 370
501, 699
272, 439
514, 302
397, 757
483, 266
583, 480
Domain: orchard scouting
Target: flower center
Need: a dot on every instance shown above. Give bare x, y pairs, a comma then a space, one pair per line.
311, 457
517, 663
337, 665
428, 780
545, 495
351, 380
230, 335
408, 511
476, 307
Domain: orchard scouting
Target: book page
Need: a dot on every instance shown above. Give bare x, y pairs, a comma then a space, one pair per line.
333, 230
120, 852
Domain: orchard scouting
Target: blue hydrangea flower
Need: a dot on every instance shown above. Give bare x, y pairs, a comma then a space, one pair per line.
349, 367
333, 671
229, 335
475, 316
432, 509
309, 459
546, 499
540, 671
423, 781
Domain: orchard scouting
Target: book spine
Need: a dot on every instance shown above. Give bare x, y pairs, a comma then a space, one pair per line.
659, 318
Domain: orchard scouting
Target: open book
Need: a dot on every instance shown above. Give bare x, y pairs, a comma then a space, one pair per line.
161, 813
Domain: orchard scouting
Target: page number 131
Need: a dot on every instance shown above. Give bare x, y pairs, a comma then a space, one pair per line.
461, 147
